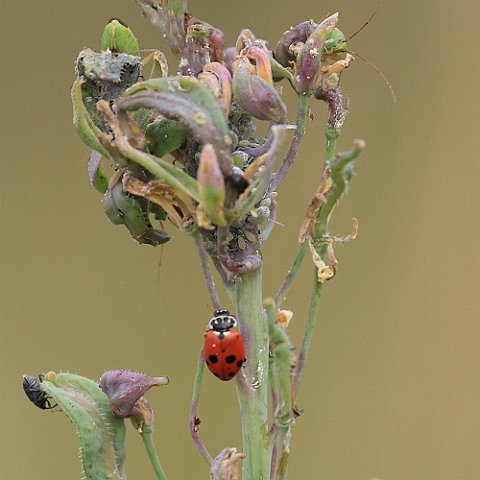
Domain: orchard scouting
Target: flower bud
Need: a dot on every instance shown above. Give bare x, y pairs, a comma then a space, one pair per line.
219, 81
253, 92
124, 388
285, 50
261, 60
229, 57
245, 39
203, 44
310, 57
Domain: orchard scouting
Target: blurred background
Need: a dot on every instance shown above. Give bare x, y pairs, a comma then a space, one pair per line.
392, 388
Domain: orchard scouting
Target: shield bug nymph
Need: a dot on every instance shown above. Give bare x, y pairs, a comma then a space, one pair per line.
34, 392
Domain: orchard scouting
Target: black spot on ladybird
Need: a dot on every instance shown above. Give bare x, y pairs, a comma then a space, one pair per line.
213, 358
240, 363
230, 358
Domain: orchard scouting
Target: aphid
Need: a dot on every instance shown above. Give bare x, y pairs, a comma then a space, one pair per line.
223, 349
35, 394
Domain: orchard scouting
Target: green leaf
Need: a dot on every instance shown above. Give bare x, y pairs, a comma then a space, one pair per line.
101, 433
83, 122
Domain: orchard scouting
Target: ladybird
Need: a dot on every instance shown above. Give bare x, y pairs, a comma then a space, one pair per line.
35, 394
223, 349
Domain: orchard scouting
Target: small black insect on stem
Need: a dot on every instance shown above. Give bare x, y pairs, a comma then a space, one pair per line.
35, 394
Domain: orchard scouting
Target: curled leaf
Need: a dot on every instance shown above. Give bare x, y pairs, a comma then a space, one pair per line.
95, 173
86, 128
283, 317
211, 186
188, 101
176, 204
226, 465
324, 271
123, 208
165, 135
101, 433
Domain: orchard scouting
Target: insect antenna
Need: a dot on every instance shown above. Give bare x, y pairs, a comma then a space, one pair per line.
354, 34
372, 65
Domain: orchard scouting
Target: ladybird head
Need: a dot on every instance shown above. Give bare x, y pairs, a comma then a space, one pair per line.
222, 321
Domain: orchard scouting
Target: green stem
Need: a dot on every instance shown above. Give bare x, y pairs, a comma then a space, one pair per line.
252, 385
331, 135
337, 166
309, 329
282, 291
207, 274
302, 114
194, 421
282, 363
272, 380
147, 437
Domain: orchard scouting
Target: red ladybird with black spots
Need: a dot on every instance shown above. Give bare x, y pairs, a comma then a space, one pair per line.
223, 348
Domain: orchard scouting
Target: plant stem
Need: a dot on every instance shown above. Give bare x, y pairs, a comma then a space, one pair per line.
282, 291
337, 166
272, 379
282, 363
147, 437
207, 274
194, 421
309, 329
331, 135
302, 113
252, 386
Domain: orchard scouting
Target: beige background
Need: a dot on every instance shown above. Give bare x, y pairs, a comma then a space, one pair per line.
392, 390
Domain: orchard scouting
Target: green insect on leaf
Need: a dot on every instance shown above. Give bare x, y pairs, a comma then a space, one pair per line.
118, 38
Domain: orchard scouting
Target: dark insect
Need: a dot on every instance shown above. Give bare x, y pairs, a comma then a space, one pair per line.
35, 394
